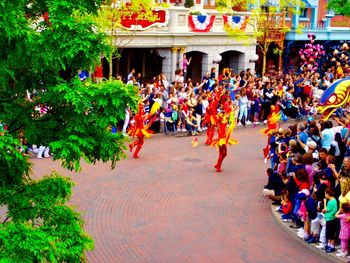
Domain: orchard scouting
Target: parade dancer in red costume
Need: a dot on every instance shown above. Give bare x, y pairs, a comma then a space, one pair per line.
140, 130
272, 121
210, 119
223, 136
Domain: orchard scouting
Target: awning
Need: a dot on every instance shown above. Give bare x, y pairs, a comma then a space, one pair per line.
311, 3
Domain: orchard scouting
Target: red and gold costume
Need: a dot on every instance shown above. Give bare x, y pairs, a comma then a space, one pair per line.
210, 119
224, 136
272, 121
139, 129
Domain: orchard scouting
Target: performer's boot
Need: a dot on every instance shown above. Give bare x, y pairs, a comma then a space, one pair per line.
218, 165
212, 131
138, 148
208, 136
222, 155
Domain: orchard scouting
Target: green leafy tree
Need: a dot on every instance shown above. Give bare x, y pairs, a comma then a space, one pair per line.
44, 44
266, 23
339, 7
189, 3
109, 20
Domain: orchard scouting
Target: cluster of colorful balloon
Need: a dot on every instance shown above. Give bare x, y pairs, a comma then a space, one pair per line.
311, 54
338, 57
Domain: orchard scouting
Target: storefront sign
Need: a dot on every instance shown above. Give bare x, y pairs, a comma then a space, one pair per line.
137, 21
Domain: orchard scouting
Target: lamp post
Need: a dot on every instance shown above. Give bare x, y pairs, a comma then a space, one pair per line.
216, 62
217, 59
254, 58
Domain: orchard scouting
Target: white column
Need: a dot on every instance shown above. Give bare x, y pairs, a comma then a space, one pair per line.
205, 64
166, 62
174, 51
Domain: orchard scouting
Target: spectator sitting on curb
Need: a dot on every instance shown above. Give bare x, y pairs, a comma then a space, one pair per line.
274, 186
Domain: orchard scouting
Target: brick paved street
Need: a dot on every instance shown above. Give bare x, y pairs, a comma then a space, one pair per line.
171, 206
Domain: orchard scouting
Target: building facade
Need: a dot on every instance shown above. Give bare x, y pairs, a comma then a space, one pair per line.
329, 28
159, 48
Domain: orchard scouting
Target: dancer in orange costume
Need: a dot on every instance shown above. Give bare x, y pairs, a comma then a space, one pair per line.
272, 121
210, 119
139, 129
224, 137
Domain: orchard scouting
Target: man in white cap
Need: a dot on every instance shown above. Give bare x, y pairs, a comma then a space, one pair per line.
309, 147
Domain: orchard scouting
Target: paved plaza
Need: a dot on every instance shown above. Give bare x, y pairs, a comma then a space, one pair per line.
171, 206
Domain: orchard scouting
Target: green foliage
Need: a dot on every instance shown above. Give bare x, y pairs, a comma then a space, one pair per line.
14, 167
89, 111
299, 29
44, 56
42, 227
277, 51
263, 18
340, 7
228, 6
109, 17
195, 13
163, 5
266, 21
189, 3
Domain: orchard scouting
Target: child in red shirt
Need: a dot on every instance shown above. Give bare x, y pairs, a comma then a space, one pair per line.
287, 208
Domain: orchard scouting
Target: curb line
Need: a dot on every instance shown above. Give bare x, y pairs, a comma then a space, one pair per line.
285, 227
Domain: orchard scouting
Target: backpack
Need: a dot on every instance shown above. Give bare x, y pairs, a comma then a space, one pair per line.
311, 207
174, 116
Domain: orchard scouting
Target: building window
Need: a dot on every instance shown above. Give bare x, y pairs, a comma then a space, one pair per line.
303, 12
209, 3
265, 8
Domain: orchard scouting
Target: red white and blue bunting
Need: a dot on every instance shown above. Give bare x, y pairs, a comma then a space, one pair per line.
201, 23
235, 22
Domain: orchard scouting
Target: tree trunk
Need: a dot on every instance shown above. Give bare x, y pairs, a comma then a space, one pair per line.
264, 51
264, 63
110, 66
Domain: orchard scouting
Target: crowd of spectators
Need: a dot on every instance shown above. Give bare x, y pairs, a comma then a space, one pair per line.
309, 177
309, 174
184, 101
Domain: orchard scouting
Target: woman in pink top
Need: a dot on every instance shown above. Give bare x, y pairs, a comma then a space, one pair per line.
308, 160
344, 235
